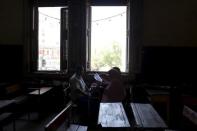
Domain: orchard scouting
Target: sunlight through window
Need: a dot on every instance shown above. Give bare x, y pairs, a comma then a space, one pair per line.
108, 37
49, 38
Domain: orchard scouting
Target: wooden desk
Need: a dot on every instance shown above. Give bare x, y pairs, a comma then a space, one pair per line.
160, 96
189, 100
146, 116
112, 115
40, 91
38, 96
5, 103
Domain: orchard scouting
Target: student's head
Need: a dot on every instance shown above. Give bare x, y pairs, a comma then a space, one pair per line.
79, 70
117, 69
113, 73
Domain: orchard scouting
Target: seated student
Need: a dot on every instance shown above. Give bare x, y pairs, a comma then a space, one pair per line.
115, 91
80, 94
78, 86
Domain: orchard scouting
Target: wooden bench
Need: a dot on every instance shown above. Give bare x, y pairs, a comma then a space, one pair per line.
5, 119
146, 117
190, 114
64, 116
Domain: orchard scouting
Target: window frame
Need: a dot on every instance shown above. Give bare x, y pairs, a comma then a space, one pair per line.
88, 36
63, 42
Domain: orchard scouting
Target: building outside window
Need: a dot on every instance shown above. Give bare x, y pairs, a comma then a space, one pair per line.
49, 38
50, 30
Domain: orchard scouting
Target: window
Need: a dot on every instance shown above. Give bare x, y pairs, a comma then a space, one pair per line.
108, 38
51, 36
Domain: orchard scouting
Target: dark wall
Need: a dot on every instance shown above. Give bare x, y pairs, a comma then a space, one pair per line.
170, 22
11, 65
11, 23
166, 23
169, 65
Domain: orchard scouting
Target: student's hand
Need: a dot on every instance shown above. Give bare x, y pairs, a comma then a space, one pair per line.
105, 84
93, 85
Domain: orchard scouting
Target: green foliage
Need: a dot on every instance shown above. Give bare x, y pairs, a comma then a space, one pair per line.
107, 58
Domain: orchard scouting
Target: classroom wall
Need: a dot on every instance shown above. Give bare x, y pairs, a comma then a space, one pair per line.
11, 22
170, 23
170, 41
165, 23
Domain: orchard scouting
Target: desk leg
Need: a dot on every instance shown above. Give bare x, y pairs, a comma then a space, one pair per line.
168, 112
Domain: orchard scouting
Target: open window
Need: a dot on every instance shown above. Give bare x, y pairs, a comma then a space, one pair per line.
50, 43
107, 42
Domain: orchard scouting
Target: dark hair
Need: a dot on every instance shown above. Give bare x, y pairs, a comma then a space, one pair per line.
117, 69
113, 72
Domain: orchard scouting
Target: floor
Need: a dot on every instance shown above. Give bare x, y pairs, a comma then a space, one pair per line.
23, 124
35, 124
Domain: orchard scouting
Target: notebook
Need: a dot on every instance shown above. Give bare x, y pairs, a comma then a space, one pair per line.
97, 77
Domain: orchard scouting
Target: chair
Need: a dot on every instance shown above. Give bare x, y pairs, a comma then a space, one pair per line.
64, 116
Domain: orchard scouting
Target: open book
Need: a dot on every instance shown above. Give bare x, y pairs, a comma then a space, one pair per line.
98, 78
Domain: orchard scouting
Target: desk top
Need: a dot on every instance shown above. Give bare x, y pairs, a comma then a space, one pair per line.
146, 116
112, 115
40, 91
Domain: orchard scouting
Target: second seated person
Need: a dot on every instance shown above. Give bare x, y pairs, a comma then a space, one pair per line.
115, 91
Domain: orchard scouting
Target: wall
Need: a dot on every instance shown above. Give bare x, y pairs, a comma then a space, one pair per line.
170, 41
170, 23
11, 67
11, 40
166, 23
11, 22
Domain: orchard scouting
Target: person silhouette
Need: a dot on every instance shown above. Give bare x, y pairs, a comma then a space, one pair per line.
77, 85
115, 91
81, 95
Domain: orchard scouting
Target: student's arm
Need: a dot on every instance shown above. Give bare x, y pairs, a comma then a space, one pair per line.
76, 87
80, 89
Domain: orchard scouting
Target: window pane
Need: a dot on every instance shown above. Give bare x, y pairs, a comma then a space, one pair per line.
108, 37
49, 38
